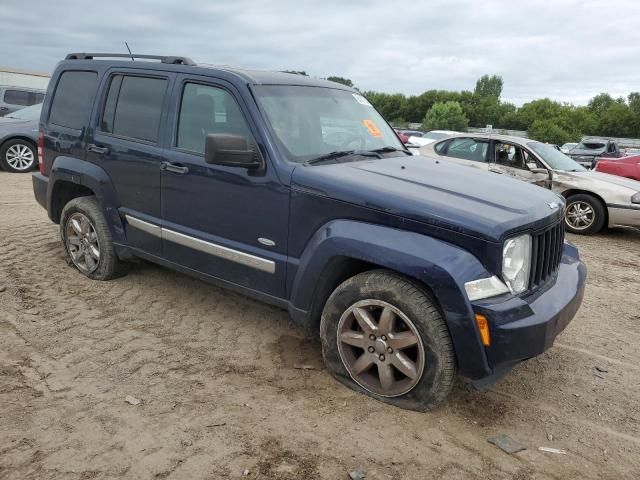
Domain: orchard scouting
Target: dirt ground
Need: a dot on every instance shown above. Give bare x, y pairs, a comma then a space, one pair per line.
221, 395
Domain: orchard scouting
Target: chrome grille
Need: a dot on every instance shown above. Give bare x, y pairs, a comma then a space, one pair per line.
546, 253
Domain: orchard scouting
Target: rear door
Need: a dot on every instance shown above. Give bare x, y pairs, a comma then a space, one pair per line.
126, 144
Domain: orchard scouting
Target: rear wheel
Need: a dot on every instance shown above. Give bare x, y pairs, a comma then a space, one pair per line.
87, 239
18, 156
584, 215
384, 336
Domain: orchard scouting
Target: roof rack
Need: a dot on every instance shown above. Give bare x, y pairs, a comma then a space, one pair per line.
163, 59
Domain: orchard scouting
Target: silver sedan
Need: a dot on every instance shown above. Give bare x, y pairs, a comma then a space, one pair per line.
594, 200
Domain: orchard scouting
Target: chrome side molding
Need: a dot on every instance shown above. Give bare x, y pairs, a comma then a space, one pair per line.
236, 256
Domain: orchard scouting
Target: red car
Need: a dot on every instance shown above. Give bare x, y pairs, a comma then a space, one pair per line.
624, 167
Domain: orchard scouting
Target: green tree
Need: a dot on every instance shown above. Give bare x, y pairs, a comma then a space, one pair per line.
548, 131
489, 86
617, 120
445, 116
342, 80
600, 103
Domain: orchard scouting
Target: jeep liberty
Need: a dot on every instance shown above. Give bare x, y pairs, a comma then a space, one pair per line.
296, 191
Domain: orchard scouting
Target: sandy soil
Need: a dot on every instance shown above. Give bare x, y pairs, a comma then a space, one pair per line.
220, 392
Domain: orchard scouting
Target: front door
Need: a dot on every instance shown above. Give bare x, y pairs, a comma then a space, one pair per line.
515, 161
226, 222
126, 144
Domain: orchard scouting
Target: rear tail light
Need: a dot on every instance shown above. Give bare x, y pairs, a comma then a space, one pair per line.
41, 152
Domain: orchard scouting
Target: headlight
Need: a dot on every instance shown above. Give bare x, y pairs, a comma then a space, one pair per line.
636, 198
516, 263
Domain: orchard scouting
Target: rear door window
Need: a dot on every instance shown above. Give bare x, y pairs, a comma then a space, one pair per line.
468, 149
133, 107
73, 99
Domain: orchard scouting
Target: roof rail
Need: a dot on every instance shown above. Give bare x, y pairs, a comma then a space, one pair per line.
163, 59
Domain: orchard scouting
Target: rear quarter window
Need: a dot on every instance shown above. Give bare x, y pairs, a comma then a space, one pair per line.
73, 99
18, 97
441, 146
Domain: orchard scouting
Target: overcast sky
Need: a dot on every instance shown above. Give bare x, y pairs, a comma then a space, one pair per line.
563, 49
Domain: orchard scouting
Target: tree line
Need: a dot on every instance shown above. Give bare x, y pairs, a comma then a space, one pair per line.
544, 119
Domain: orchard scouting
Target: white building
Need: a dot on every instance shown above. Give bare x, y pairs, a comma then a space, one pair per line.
23, 78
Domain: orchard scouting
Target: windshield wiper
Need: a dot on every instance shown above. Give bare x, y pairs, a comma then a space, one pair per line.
390, 149
342, 153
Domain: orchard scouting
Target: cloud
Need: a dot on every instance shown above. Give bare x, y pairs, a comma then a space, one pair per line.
567, 50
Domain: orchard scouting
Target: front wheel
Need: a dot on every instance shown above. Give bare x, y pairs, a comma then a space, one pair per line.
383, 335
584, 215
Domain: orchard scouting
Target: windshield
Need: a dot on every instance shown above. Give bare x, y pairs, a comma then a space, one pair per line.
590, 146
435, 135
309, 122
555, 158
29, 113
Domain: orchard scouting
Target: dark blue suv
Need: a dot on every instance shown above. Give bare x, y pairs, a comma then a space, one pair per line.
296, 191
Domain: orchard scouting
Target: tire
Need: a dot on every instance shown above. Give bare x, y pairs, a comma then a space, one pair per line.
106, 265
388, 290
593, 214
18, 156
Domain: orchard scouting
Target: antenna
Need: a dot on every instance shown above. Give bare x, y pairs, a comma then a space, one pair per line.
127, 45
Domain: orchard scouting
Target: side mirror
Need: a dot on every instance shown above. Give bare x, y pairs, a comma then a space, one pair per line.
231, 151
533, 168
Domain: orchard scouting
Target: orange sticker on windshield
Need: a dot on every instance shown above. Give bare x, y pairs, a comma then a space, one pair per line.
372, 127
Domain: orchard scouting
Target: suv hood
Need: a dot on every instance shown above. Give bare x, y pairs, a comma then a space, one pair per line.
455, 197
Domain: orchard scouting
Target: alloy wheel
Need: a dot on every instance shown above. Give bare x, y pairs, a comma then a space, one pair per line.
82, 243
579, 215
19, 157
381, 348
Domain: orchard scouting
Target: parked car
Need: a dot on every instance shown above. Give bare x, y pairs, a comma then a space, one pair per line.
18, 137
16, 98
410, 270
590, 149
431, 137
628, 167
413, 133
594, 200
567, 147
402, 136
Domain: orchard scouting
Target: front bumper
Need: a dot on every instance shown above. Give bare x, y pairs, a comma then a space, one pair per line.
624, 215
523, 327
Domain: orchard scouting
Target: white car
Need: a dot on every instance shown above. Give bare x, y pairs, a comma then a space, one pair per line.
566, 148
431, 137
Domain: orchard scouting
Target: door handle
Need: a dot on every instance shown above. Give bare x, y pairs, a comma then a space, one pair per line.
96, 149
174, 168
